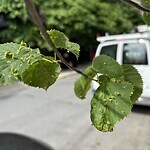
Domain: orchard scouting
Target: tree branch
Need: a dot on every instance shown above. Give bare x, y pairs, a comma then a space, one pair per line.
31, 9
136, 5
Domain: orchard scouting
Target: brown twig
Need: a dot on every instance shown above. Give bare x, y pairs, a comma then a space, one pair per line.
137, 5
31, 9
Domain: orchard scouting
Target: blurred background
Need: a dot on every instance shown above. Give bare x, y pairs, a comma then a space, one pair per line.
61, 120
82, 21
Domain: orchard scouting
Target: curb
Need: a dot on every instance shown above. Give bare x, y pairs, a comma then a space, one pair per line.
66, 74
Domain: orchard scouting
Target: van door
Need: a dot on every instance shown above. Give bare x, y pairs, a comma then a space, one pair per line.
137, 53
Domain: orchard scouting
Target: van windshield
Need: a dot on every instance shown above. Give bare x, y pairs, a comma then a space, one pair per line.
135, 53
109, 50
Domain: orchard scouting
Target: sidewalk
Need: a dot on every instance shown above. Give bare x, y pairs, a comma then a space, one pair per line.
67, 72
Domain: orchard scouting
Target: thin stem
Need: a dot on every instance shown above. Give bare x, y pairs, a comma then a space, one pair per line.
136, 5
31, 9
55, 56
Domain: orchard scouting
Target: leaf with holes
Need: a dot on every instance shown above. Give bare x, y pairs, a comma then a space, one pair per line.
42, 73
110, 103
60, 40
82, 85
14, 59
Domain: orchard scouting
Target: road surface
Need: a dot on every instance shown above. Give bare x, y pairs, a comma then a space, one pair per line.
60, 119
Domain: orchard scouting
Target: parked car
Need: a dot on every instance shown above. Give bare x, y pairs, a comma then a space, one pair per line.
129, 49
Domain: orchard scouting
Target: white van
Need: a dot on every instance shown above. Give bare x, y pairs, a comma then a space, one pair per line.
129, 49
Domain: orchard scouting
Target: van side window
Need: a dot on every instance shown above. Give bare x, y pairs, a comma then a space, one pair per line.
109, 50
135, 53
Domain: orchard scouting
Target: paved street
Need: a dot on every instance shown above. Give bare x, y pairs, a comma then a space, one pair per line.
60, 119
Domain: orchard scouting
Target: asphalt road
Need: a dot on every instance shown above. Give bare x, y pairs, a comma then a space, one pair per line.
60, 119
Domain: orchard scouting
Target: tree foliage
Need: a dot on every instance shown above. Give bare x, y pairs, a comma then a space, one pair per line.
146, 3
18, 24
79, 20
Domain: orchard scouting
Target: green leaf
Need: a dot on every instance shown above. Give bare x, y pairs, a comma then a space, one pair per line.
8, 73
110, 103
131, 75
14, 59
60, 40
107, 66
42, 73
147, 18
82, 85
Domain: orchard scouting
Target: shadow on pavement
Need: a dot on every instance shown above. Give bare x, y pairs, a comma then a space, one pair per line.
14, 141
141, 109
